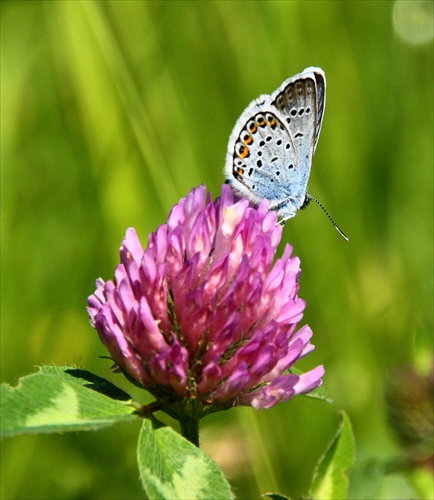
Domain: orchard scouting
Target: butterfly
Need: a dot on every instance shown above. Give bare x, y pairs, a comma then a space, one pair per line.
271, 147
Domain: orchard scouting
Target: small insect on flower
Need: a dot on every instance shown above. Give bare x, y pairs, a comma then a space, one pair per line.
271, 147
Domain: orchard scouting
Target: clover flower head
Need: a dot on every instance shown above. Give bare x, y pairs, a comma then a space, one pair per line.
204, 312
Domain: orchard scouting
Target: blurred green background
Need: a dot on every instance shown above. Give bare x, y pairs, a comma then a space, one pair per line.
112, 111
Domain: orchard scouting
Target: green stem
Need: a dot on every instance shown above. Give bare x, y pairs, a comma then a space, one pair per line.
190, 430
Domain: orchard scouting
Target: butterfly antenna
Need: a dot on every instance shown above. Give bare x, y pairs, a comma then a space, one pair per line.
338, 229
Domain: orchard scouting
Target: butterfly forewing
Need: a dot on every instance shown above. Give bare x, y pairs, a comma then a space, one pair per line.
301, 100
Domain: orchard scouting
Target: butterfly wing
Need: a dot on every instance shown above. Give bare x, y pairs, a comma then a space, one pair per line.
301, 100
260, 148
271, 146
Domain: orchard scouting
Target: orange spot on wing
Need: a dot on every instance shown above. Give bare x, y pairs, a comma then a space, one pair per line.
244, 151
247, 139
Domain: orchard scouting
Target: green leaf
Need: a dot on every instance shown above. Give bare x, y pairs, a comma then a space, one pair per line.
173, 468
59, 399
330, 479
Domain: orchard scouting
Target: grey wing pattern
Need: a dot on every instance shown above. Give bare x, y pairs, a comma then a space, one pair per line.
301, 100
